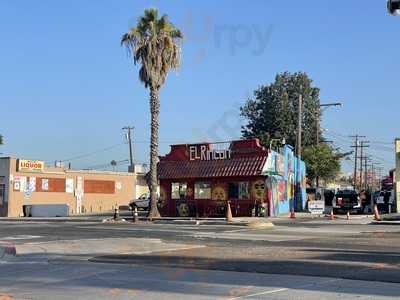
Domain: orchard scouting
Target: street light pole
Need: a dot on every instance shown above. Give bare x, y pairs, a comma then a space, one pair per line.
320, 107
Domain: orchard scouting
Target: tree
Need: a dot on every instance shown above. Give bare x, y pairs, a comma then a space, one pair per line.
154, 44
322, 161
1, 139
273, 111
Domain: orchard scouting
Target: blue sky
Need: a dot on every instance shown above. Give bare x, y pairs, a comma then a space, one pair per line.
67, 87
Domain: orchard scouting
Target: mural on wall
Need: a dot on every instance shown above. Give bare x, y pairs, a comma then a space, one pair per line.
258, 190
280, 164
285, 174
218, 193
281, 190
272, 195
290, 188
183, 209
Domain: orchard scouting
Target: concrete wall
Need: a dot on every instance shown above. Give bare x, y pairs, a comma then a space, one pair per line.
91, 202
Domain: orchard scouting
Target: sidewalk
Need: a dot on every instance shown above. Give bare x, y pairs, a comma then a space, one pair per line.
256, 222
388, 219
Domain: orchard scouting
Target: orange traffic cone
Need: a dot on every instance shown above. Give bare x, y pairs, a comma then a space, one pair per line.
292, 214
332, 215
377, 217
229, 213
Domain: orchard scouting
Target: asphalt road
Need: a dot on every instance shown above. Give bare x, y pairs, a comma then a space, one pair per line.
301, 259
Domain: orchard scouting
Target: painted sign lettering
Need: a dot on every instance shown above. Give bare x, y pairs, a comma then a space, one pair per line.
201, 152
30, 165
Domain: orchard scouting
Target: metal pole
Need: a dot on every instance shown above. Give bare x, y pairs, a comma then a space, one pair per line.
129, 138
361, 165
356, 157
355, 163
299, 125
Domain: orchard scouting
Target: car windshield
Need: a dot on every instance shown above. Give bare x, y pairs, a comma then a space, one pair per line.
346, 193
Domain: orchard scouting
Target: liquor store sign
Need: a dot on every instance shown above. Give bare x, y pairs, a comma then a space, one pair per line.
202, 152
32, 166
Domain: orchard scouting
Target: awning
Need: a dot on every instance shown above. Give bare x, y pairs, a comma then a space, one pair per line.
235, 167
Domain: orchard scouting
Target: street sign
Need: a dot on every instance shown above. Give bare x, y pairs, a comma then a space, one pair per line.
316, 207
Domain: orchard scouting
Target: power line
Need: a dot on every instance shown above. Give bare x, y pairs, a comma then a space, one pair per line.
106, 165
90, 153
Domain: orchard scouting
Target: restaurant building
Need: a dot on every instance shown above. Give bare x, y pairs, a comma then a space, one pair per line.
30, 182
197, 180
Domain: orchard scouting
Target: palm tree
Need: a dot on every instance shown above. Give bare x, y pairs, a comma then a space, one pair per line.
154, 44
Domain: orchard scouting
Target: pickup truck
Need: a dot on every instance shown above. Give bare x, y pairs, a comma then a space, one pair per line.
346, 201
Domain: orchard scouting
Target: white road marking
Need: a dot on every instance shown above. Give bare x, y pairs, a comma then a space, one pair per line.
20, 237
287, 289
261, 293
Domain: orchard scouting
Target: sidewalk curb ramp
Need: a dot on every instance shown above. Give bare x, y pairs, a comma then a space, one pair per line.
7, 250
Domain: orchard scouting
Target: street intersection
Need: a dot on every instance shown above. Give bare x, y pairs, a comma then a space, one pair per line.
295, 259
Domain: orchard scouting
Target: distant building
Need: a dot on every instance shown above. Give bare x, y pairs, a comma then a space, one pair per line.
29, 182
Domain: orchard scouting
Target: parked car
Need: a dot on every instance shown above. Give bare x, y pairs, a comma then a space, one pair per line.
346, 200
142, 203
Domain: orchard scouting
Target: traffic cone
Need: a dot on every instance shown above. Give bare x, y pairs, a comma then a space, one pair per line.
229, 212
292, 214
332, 215
135, 215
348, 215
377, 217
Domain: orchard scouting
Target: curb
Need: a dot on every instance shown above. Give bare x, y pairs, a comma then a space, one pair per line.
7, 250
383, 222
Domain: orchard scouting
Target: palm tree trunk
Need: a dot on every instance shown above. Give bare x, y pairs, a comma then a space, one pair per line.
155, 111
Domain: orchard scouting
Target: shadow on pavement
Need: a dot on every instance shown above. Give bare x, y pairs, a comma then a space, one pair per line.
331, 267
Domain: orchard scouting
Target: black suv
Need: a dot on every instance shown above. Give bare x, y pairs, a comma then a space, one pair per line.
346, 201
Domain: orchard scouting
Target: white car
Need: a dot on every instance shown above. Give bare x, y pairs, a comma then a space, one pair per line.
142, 203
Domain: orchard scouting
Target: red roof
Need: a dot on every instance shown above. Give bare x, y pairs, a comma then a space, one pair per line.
237, 166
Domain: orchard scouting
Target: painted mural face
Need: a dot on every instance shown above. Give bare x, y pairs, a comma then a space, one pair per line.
218, 193
183, 210
258, 190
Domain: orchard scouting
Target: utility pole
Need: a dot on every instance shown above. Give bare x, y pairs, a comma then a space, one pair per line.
299, 125
363, 145
366, 181
297, 196
356, 142
128, 131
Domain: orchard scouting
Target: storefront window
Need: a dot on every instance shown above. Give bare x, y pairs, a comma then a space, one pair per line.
238, 190
244, 191
178, 190
202, 190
